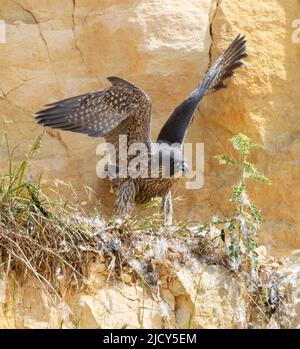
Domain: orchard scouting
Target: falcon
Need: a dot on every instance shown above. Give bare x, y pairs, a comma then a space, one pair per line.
123, 109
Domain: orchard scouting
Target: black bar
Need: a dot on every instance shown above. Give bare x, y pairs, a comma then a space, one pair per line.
150, 338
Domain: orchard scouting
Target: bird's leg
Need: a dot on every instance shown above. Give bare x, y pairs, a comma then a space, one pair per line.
125, 198
167, 208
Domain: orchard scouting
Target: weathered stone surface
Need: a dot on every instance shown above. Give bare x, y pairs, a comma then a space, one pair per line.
292, 270
62, 48
210, 298
262, 102
202, 296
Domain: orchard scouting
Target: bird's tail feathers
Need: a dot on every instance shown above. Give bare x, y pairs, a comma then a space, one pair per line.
224, 66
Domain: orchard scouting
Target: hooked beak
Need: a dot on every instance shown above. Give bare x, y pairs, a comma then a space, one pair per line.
185, 168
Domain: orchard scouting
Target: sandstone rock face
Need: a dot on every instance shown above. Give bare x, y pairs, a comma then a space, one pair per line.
204, 296
292, 270
210, 298
62, 48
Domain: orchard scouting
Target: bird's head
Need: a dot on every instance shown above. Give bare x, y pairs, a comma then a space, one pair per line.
171, 160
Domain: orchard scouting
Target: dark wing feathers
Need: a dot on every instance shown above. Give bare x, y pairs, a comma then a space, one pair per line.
228, 62
96, 113
175, 128
100, 113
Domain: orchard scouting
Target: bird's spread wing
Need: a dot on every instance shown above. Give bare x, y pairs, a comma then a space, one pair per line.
105, 112
175, 128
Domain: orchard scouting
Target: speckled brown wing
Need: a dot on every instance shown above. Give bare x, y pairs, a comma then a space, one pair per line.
122, 107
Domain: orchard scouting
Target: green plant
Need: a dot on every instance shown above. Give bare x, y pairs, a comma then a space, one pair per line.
245, 222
